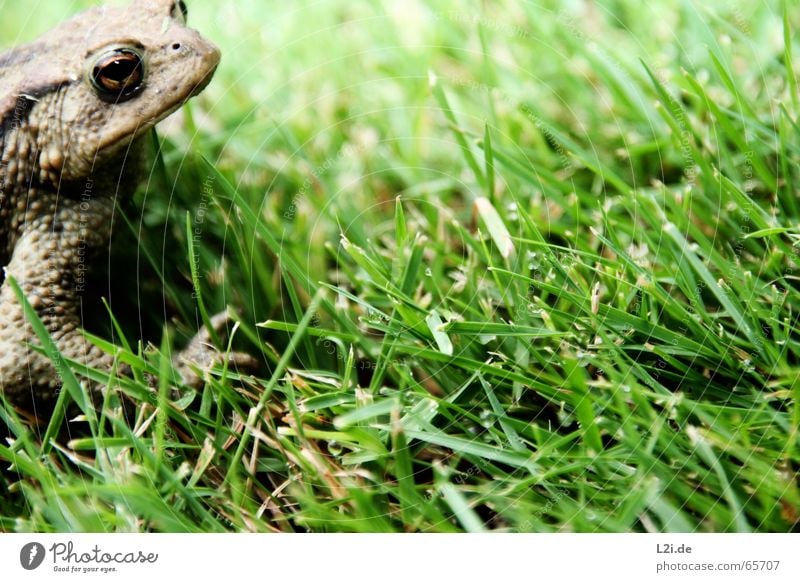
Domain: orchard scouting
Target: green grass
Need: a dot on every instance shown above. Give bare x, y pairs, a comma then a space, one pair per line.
508, 266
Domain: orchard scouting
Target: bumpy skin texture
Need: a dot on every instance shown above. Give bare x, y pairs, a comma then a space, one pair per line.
67, 158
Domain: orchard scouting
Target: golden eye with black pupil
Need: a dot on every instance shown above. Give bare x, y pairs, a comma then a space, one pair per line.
118, 74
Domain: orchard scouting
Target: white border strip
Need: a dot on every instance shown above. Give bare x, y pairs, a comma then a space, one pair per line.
412, 557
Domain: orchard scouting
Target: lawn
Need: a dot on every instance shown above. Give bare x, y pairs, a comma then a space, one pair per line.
515, 266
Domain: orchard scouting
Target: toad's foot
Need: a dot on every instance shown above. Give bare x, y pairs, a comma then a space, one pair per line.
200, 356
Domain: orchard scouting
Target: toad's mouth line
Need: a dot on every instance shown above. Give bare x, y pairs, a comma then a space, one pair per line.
123, 137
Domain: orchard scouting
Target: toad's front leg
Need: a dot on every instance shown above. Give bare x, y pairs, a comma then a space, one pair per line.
200, 355
51, 256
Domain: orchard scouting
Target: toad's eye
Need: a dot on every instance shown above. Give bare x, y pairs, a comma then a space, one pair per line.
118, 74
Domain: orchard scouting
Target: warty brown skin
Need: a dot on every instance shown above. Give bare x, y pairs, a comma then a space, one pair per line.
68, 157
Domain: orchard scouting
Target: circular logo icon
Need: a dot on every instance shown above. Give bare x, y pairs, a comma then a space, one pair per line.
31, 555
